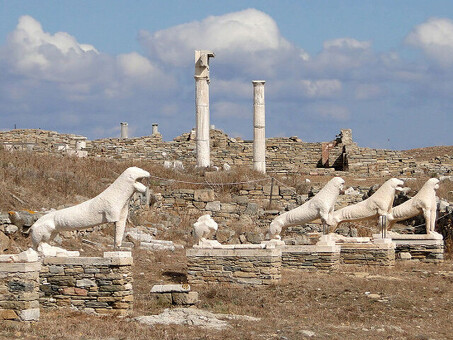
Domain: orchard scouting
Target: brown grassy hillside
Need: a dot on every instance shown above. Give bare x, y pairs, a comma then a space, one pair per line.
31, 181
429, 153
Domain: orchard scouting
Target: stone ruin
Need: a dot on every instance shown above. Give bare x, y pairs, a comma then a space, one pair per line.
103, 285
283, 155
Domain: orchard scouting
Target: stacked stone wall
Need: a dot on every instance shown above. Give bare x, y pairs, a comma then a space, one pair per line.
39, 141
422, 252
101, 285
19, 290
241, 266
367, 254
310, 257
283, 155
375, 161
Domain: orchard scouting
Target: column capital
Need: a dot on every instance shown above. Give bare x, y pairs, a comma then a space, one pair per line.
258, 82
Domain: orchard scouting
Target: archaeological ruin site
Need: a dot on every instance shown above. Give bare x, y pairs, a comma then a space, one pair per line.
212, 236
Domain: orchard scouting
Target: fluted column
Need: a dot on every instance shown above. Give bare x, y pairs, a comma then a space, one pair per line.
259, 135
202, 107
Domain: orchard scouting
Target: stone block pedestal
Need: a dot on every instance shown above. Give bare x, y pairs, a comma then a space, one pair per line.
311, 257
372, 254
19, 288
101, 285
423, 247
255, 266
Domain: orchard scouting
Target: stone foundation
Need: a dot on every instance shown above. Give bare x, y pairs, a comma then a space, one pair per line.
174, 294
311, 257
371, 254
421, 247
242, 266
101, 285
19, 289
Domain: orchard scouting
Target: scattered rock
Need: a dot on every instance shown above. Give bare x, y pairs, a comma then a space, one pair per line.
307, 333
373, 296
213, 206
5, 242
24, 219
405, 256
46, 250
11, 229
140, 234
192, 317
254, 237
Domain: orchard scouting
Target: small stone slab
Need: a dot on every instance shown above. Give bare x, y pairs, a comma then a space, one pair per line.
29, 314
20, 267
249, 246
405, 256
190, 298
117, 254
178, 288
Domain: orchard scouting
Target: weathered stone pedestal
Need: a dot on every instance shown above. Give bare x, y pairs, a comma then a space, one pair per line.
174, 294
423, 247
19, 288
311, 257
101, 285
255, 266
381, 253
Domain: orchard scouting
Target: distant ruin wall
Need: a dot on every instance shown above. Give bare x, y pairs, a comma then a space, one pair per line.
283, 155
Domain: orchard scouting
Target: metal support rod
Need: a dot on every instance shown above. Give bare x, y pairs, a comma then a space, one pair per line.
324, 228
272, 189
383, 222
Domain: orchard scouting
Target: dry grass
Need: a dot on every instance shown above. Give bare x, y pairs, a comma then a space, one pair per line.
429, 153
416, 302
31, 181
416, 298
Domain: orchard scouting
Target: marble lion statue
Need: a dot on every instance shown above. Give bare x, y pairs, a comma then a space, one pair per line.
204, 228
111, 205
423, 202
320, 206
378, 204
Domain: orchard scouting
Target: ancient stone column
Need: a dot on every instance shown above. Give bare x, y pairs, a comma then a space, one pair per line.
259, 136
155, 129
124, 132
202, 107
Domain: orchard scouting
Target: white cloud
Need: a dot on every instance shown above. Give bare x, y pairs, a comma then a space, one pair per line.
32, 48
239, 33
323, 88
134, 65
435, 38
77, 69
55, 81
346, 43
342, 55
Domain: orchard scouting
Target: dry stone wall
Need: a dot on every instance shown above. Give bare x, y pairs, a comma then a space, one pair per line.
368, 254
19, 290
283, 155
242, 266
101, 285
310, 257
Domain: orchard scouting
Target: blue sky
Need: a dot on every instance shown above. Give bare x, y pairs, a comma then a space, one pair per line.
382, 68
